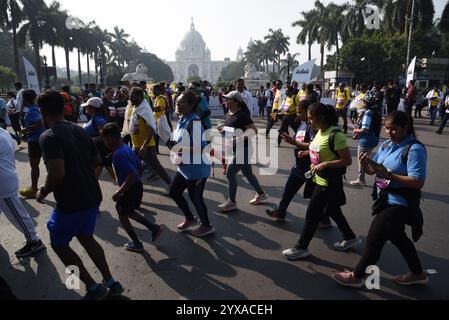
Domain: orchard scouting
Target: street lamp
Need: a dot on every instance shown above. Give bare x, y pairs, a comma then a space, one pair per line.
47, 80
410, 35
289, 59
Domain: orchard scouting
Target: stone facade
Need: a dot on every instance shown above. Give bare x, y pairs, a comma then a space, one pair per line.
193, 58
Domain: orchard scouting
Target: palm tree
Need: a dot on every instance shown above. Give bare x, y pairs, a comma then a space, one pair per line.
334, 25
119, 43
309, 29
10, 18
35, 28
278, 43
353, 25
398, 13
444, 23
289, 64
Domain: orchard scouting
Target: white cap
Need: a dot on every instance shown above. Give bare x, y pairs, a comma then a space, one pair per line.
95, 102
234, 95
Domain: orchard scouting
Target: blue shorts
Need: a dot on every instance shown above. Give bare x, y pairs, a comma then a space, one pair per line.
64, 227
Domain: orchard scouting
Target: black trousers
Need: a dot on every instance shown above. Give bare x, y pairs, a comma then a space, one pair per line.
324, 202
288, 122
444, 122
15, 122
196, 191
389, 225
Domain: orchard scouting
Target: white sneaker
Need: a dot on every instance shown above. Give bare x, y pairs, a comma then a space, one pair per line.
259, 199
294, 254
228, 206
358, 183
345, 245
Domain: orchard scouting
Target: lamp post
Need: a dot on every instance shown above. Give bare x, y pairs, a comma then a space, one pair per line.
47, 79
289, 59
409, 45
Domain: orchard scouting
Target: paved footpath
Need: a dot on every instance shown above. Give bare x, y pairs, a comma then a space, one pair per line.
243, 260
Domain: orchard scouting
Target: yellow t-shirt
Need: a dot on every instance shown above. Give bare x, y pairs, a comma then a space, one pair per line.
140, 133
290, 106
277, 100
343, 98
320, 151
301, 96
160, 102
436, 102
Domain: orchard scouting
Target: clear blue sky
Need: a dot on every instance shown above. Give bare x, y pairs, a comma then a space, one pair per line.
159, 26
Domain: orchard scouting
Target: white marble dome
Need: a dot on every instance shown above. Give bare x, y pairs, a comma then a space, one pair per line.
192, 38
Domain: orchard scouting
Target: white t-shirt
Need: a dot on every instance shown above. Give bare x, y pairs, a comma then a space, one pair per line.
247, 97
12, 106
9, 186
19, 101
268, 95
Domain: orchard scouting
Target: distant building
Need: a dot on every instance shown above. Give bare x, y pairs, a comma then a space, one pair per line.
193, 59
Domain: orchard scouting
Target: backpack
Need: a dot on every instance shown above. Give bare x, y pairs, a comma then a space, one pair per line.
407, 149
339, 171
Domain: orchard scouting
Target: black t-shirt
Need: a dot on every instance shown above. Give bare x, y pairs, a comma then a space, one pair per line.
239, 121
79, 190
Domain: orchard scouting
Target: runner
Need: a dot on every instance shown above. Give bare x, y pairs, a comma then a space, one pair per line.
129, 196
96, 109
70, 157
9, 198
273, 117
330, 155
343, 97
239, 119
34, 127
446, 117
289, 119
140, 123
435, 97
190, 175
400, 169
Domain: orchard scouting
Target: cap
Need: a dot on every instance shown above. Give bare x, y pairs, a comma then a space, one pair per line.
93, 102
234, 95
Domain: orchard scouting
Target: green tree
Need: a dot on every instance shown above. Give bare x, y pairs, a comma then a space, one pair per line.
444, 22
309, 29
7, 78
119, 44
398, 14
233, 71
278, 42
10, 19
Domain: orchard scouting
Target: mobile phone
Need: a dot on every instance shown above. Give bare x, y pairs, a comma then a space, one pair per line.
375, 164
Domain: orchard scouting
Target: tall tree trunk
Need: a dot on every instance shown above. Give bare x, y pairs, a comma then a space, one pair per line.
336, 57
88, 67
80, 75
310, 51
16, 52
279, 65
408, 16
96, 67
53, 57
322, 61
37, 56
67, 64
267, 66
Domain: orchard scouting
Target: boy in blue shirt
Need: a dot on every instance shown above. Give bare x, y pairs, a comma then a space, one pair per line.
128, 197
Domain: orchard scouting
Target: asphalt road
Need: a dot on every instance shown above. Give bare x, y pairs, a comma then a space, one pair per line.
243, 259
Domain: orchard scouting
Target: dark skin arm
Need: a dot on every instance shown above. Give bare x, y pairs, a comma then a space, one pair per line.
55, 177
130, 180
294, 142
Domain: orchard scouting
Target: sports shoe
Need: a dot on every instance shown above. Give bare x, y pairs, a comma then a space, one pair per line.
412, 279
358, 183
439, 132
187, 225
98, 294
134, 247
30, 249
345, 245
276, 215
295, 253
116, 290
228, 206
260, 198
347, 279
156, 236
203, 231
28, 193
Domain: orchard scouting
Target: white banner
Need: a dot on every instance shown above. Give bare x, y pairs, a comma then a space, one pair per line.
33, 82
411, 71
303, 73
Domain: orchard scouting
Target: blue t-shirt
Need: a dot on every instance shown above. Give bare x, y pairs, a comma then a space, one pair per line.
93, 126
204, 107
125, 161
33, 117
194, 167
390, 155
368, 140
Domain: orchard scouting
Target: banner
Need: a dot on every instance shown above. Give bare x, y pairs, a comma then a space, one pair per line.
33, 82
411, 71
303, 73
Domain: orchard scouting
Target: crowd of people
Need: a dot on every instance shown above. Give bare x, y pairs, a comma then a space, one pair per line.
126, 125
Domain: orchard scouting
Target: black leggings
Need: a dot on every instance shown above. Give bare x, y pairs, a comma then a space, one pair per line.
196, 191
289, 121
324, 202
389, 225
